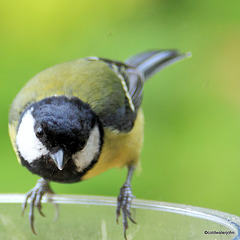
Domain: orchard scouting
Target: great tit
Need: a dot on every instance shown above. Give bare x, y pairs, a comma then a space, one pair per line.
78, 119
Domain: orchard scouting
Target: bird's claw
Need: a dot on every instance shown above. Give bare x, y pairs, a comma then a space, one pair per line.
124, 204
35, 198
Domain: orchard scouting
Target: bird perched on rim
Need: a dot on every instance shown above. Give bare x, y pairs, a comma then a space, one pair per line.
78, 119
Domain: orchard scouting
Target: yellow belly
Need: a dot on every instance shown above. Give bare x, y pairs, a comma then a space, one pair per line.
119, 149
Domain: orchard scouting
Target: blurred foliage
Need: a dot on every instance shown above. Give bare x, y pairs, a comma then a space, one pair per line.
191, 151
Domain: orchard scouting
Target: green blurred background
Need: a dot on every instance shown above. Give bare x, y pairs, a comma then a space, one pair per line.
191, 151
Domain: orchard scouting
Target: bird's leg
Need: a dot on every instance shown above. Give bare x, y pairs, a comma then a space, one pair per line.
35, 196
125, 200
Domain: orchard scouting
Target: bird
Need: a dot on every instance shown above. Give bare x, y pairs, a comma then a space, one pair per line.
80, 118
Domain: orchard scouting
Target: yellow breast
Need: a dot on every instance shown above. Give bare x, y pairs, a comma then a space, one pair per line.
119, 149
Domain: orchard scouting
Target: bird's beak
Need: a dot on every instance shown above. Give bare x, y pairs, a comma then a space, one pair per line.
59, 159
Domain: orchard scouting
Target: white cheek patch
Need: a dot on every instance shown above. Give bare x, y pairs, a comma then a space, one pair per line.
27, 143
83, 158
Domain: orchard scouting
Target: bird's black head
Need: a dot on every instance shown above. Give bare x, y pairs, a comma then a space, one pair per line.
59, 138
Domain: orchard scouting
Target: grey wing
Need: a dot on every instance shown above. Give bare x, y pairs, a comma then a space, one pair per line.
132, 83
133, 79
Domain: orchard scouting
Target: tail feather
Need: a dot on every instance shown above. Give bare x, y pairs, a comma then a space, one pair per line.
151, 62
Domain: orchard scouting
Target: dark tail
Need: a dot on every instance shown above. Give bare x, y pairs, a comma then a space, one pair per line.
151, 62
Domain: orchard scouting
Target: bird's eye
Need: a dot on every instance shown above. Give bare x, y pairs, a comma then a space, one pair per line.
39, 132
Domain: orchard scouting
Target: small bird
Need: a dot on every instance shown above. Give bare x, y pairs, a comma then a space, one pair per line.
78, 119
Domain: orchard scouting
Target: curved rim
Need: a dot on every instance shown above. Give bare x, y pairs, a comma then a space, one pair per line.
228, 220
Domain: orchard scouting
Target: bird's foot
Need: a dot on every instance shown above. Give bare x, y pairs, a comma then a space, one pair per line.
35, 196
124, 204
